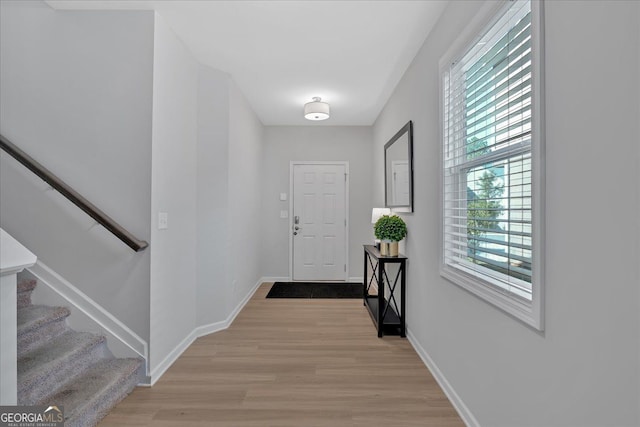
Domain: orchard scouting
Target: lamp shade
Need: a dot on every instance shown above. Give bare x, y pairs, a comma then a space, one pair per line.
376, 213
316, 110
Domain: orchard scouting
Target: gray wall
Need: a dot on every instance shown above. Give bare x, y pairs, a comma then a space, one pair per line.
584, 369
173, 182
206, 174
328, 143
213, 181
246, 170
115, 104
75, 93
229, 180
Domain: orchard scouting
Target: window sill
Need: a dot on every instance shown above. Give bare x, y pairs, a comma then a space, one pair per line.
524, 311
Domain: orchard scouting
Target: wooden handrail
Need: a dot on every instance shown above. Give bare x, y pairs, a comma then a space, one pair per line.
89, 208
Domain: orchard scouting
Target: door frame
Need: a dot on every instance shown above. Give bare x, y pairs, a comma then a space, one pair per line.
344, 163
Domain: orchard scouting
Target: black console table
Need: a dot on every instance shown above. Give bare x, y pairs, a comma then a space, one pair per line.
384, 312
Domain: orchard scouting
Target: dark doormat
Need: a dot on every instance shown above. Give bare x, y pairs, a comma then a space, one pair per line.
315, 290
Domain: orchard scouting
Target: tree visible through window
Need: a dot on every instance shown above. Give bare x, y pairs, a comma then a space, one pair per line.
483, 210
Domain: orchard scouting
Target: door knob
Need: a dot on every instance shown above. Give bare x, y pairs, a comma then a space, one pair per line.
296, 228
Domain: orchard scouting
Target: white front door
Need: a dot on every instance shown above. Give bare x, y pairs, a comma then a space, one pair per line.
319, 221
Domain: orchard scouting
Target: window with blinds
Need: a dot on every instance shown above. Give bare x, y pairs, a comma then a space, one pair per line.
488, 230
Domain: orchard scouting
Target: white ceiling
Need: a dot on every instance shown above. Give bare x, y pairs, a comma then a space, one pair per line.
283, 53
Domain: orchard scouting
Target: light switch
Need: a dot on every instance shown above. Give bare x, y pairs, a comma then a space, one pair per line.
283, 196
163, 220
284, 214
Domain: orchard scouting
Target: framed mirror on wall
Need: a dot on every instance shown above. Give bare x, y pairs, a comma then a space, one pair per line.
398, 170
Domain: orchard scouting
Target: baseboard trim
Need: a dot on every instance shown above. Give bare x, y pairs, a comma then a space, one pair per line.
456, 401
211, 328
198, 332
166, 363
243, 302
98, 314
275, 279
288, 279
224, 324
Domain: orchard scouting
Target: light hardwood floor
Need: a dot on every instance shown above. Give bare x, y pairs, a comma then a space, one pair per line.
293, 362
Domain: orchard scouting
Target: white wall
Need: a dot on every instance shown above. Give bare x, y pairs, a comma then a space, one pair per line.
213, 179
326, 143
584, 369
75, 94
173, 183
246, 169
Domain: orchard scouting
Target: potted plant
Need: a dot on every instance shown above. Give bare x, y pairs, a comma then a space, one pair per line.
390, 229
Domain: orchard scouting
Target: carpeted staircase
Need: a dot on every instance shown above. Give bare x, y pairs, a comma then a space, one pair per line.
59, 366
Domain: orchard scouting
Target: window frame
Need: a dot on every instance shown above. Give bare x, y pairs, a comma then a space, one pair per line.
529, 312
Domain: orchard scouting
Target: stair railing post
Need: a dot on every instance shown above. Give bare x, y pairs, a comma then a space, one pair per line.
13, 259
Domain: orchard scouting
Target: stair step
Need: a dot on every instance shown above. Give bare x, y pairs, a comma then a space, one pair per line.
89, 397
42, 371
25, 288
27, 285
37, 324
59, 366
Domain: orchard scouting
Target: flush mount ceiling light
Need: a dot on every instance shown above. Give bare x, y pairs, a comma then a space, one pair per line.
316, 110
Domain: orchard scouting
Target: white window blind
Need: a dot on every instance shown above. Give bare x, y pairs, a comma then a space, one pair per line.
487, 157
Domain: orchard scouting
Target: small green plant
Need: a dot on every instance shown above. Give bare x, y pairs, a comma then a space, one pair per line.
390, 227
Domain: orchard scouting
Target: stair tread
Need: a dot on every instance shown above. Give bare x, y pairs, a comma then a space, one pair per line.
26, 285
34, 316
56, 351
60, 366
100, 381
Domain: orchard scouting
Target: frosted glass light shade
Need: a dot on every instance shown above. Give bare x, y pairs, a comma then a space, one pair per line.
316, 110
376, 213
